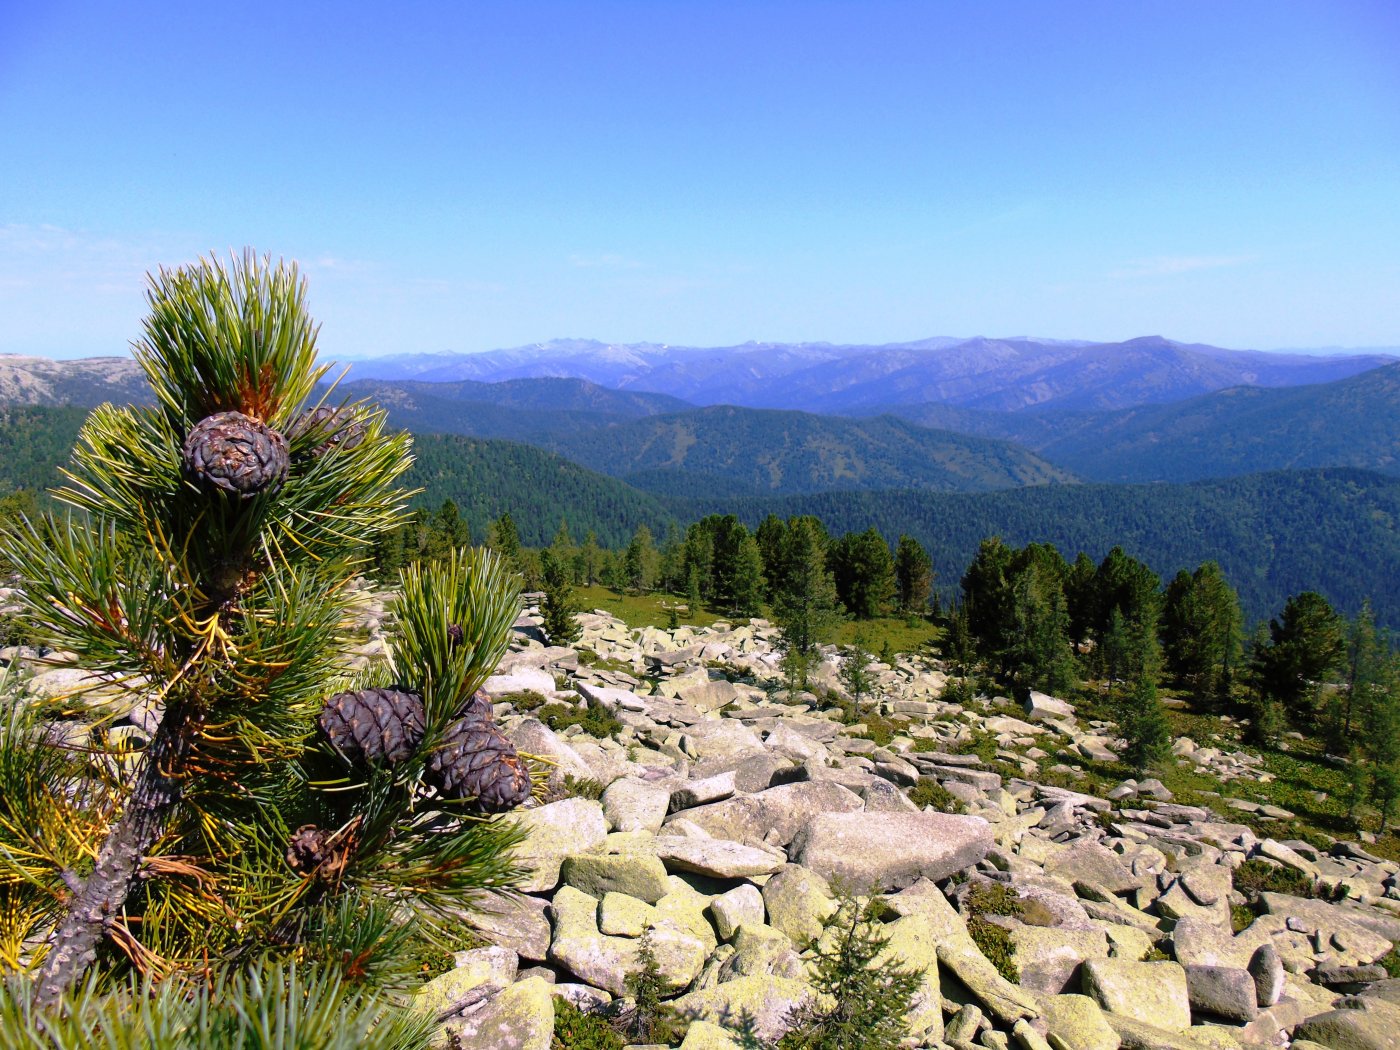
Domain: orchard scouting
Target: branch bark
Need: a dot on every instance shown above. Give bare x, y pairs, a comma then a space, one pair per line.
158, 788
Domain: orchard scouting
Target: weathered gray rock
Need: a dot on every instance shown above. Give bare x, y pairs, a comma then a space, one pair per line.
702, 792
741, 906
1151, 992
888, 851
718, 858
519, 680
774, 815
515, 921
1266, 968
635, 805
1222, 991
1048, 958
1092, 862
535, 738
1041, 707
638, 875
723, 738
711, 696
1373, 1026
556, 831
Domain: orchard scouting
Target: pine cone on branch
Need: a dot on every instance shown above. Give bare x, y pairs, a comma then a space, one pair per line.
374, 726
477, 763
331, 427
235, 454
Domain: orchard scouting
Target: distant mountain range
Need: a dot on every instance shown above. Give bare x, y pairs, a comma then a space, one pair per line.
993, 374
1353, 422
759, 452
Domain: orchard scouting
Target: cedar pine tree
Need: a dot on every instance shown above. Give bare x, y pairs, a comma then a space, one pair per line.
206, 566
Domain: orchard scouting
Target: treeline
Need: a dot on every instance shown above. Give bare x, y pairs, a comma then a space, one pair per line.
1038, 621
1335, 531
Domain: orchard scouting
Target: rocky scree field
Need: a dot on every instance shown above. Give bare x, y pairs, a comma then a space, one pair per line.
707, 821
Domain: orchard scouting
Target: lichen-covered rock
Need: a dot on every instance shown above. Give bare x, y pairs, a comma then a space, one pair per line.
1076, 1022
765, 1001
1151, 992
556, 831
743, 905
605, 962
717, 858
775, 815
797, 901
635, 805
520, 1018
875, 852
638, 875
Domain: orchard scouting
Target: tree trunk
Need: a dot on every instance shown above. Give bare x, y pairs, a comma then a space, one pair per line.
159, 784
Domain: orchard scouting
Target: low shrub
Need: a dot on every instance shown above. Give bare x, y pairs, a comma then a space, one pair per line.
1257, 876
595, 719
929, 792
576, 1030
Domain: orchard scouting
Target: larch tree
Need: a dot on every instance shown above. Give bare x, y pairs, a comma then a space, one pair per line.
282, 807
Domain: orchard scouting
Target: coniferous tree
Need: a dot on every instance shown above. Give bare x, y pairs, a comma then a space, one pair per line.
855, 669
1201, 630
863, 570
557, 608
589, 560
640, 561
913, 576
1307, 645
504, 539
806, 609
208, 570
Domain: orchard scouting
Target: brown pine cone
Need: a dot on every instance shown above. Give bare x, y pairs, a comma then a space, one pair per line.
235, 454
477, 763
374, 726
307, 849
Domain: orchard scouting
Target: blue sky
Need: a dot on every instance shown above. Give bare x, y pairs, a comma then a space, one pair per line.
462, 176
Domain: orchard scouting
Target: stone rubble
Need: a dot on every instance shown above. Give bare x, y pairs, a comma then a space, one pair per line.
725, 810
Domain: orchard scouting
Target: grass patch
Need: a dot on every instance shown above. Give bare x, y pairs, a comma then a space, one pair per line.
596, 720
525, 700
1256, 876
992, 939
640, 610
929, 792
903, 635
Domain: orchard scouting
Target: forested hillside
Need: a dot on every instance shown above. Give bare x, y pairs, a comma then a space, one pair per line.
34, 441
786, 452
1353, 422
1336, 531
539, 490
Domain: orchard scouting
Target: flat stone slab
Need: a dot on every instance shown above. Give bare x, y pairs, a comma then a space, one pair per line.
718, 858
1153, 993
888, 851
775, 814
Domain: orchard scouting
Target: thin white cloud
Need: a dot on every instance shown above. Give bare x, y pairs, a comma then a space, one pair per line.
1170, 265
